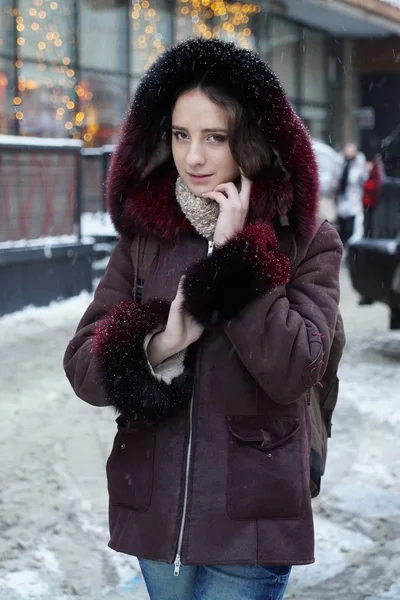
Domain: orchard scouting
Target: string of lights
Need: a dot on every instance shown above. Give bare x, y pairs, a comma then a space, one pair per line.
41, 29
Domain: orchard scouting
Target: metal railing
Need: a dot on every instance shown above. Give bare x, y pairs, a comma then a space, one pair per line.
40, 188
95, 162
46, 184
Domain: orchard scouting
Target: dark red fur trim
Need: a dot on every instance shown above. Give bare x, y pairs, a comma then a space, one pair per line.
151, 205
128, 322
220, 286
129, 382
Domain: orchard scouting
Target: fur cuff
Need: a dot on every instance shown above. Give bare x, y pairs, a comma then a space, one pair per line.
246, 267
134, 388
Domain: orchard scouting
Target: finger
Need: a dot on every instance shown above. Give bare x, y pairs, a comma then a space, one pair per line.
228, 188
218, 197
230, 191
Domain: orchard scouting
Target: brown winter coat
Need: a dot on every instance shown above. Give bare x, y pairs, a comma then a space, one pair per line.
241, 389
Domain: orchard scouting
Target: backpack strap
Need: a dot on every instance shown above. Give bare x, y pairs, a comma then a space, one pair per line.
144, 249
135, 253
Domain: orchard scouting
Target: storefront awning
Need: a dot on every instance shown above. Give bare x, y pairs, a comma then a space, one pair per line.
348, 18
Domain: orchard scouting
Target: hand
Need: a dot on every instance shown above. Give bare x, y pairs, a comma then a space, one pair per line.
181, 331
234, 208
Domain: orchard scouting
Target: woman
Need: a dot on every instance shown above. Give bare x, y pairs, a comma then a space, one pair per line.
350, 193
371, 191
213, 188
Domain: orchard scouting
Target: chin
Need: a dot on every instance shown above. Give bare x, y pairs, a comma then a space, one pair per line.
199, 188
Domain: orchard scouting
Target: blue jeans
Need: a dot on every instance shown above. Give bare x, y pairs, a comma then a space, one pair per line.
214, 582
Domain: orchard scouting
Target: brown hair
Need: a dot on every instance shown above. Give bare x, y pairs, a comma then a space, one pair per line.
248, 147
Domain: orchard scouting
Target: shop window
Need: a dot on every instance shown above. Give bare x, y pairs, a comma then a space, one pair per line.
280, 48
45, 31
47, 100
6, 28
8, 108
314, 66
103, 34
103, 102
151, 22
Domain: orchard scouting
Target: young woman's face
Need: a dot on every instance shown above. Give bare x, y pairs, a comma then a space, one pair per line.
200, 145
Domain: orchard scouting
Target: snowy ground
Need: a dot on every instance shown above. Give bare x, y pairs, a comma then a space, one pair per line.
53, 505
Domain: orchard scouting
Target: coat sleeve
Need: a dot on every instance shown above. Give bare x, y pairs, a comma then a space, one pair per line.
281, 327
284, 338
106, 361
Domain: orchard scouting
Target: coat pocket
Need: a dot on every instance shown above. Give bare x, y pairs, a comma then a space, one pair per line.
265, 479
130, 466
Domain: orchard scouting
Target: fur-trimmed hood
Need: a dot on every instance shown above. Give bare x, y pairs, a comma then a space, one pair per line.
142, 176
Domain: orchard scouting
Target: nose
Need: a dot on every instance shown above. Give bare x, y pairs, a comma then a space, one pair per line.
195, 155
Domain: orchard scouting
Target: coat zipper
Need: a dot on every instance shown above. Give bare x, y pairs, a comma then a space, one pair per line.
177, 561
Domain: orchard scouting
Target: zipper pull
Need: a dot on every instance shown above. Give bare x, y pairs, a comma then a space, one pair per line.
308, 397
210, 248
177, 565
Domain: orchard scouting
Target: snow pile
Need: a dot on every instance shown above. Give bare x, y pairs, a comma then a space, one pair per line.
45, 242
37, 319
97, 224
57, 240
19, 140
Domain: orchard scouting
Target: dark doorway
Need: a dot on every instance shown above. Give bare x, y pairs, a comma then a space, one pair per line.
381, 92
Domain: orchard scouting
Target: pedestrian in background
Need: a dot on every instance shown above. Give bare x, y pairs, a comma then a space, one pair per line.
349, 192
372, 188
213, 320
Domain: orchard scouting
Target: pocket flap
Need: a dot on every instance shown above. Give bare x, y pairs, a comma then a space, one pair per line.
269, 432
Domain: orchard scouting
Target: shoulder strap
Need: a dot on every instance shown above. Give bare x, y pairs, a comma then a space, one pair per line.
144, 249
135, 253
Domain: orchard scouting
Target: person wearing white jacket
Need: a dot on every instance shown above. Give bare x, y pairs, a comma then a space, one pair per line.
349, 193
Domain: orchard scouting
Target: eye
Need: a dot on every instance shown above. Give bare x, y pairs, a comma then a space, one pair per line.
180, 136
217, 138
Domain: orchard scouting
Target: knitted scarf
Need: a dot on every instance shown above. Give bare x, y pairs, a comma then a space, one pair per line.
201, 213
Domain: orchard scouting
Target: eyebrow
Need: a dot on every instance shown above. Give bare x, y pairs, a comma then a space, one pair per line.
215, 130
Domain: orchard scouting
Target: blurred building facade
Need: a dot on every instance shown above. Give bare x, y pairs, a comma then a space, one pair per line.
69, 67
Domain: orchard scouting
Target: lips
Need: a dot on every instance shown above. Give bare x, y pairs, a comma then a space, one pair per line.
198, 177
